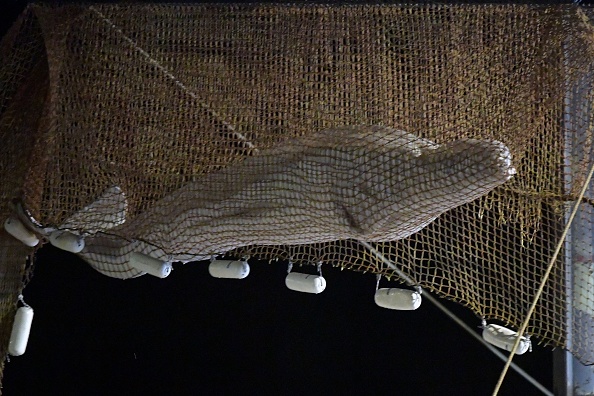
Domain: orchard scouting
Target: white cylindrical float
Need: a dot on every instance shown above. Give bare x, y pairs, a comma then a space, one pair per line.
67, 241
229, 269
150, 265
20, 331
17, 229
399, 299
305, 283
505, 338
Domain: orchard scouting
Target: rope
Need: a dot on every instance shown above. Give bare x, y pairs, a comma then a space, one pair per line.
458, 321
22, 300
175, 80
391, 265
544, 280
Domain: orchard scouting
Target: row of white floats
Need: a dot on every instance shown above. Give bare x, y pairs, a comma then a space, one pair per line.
61, 239
496, 335
390, 298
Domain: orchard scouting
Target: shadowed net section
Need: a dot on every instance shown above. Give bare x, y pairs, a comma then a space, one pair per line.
437, 133
23, 93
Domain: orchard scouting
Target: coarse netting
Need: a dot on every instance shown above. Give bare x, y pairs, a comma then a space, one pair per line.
451, 137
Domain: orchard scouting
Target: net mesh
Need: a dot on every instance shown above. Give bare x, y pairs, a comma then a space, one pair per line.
23, 93
452, 137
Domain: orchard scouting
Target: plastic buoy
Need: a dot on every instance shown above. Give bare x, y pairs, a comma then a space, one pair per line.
20, 331
504, 338
229, 269
17, 229
150, 265
400, 299
305, 283
67, 241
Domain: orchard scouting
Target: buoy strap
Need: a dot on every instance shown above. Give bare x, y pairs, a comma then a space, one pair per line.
22, 300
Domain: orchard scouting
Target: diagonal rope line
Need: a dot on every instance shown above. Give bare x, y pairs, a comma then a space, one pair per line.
174, 79
544, 281
458, 321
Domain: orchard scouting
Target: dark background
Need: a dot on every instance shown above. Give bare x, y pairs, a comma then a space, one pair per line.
192, 334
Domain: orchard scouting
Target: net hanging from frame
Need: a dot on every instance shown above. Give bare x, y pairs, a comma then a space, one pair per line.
438, 133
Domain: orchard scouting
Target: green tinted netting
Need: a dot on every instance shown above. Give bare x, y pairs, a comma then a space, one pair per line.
452, 138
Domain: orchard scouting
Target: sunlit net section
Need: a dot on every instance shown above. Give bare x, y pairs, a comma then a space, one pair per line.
437, 133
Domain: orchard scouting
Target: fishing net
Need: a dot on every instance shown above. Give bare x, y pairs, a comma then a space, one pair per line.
452, 138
